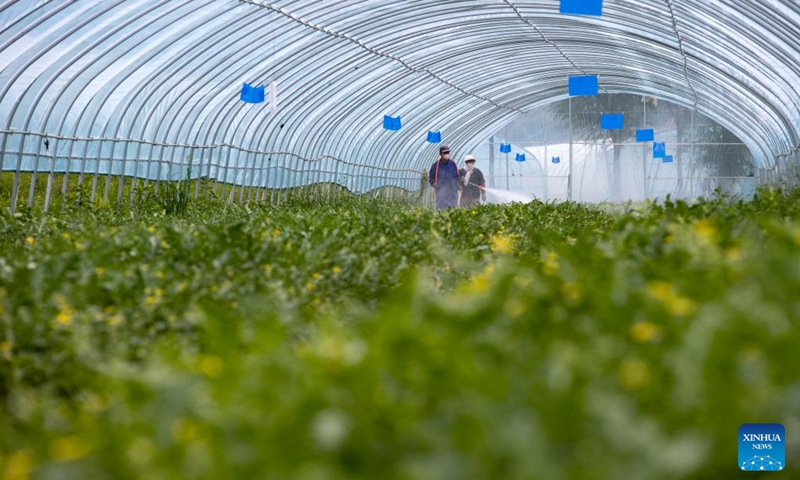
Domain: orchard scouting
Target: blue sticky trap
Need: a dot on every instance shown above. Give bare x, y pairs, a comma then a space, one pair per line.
612, 121
659, 150
505, 148
556, 159
251, 94
583, 86
434, 137
666, 159
582, 7
391, 123
520, 157
645, 135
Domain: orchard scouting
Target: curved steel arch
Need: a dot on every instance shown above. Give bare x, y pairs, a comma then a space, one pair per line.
466, 67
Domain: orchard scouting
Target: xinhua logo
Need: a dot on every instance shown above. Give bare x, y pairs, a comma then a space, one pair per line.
762, 447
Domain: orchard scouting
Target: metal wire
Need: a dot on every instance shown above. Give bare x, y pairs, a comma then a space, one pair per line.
203, 147
682, 51
377, 52
547, 40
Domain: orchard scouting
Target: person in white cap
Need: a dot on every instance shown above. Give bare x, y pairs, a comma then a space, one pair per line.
473, 184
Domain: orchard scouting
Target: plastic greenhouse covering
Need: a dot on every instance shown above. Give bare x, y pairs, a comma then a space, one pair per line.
153, 89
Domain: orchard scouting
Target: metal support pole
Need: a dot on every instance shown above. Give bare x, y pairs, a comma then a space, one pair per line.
34, 173
67, 168
122, 177
96, 172
644, 154
15, 185
546, 168
692, 159
491, 160
569, 176
50, 177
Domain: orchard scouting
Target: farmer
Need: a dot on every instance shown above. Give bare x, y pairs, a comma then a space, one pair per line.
472, 182
444, 179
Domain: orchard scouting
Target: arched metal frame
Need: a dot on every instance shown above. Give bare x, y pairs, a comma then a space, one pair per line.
158, 80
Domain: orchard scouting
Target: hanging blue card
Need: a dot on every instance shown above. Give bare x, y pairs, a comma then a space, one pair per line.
582, 7
391, 123
505, 148
556, 159
667, 159
659, 150
434, 137
251, 94
520, 157
612, 121
645, 135
583, 86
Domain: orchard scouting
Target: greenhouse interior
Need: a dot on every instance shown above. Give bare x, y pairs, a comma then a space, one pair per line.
408, 239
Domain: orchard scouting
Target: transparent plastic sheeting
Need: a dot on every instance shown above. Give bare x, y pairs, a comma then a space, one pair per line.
118, 85
224, 163
611, 165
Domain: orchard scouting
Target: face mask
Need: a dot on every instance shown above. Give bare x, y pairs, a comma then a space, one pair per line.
470, 166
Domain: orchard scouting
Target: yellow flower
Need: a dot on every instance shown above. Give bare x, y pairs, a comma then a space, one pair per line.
673, 302
513, 307
336, 269
18, 466
733, 254
30, 240
183, 430
310, 287
634, 374
573, 291
705, 230
316, 276
66, 449
503, 243
64, 317
551, 264
159, 274
164, 244
99, 271
479, 284
646, 332
66, 236
210, 365
151, 229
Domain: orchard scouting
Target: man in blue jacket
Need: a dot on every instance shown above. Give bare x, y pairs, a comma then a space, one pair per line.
443, 177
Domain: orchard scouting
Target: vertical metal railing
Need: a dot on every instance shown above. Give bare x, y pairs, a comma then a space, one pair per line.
127, 166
